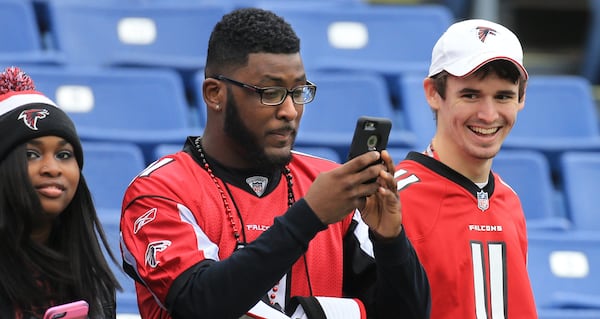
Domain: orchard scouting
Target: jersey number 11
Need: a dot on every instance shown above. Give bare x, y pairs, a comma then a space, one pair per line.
493, 290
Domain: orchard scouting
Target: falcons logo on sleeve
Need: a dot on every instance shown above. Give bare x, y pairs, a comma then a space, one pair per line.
153, 249
30, 117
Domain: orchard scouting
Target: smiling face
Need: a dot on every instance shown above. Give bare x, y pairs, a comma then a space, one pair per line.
473, 119
53, 171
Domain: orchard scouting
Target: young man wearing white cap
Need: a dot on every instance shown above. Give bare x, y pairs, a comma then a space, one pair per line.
465, 223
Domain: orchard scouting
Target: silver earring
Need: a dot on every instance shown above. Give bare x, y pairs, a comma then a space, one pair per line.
217, 107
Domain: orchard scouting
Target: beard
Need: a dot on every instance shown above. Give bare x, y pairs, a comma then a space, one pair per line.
248, 143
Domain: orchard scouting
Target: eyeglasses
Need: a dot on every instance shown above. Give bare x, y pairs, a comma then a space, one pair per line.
275, 95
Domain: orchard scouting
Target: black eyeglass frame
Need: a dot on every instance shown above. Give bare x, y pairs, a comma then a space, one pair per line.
261, 90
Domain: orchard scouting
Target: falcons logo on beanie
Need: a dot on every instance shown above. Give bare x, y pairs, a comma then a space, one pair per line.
30, 117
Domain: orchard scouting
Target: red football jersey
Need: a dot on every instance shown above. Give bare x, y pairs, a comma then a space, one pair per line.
163, 237
472, 242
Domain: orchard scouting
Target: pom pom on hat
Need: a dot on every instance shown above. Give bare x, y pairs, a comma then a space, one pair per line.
26, 114
13, 79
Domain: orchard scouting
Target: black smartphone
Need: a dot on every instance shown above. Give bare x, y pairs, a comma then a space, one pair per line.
370, 134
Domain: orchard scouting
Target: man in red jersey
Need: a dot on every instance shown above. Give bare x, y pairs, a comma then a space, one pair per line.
237, 222
465, 223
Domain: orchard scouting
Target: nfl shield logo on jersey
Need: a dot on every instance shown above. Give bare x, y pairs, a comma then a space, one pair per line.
482, 200
258, 184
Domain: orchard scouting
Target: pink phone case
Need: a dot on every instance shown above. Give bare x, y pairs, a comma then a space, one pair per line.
72, 310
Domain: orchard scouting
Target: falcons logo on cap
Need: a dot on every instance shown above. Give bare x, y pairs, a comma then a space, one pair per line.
483, 32
30, 117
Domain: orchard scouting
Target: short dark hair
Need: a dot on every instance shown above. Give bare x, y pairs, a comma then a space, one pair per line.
244, 31
503, 68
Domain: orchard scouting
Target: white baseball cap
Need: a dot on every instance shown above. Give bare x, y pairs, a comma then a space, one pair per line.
469, 44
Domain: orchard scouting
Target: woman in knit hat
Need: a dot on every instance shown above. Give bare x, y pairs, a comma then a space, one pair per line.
49, 251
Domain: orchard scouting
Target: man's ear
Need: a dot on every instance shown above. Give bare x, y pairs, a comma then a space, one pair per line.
522, 102
213, 94
431, 94
524, 97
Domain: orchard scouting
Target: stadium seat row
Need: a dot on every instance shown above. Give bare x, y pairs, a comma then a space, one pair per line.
564, 256
157, 33
148, 33
548, 206
150, 106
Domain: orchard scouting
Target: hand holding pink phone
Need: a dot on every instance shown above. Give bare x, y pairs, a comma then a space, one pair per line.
72, 310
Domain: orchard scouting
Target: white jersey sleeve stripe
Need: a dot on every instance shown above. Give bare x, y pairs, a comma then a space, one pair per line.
210, 250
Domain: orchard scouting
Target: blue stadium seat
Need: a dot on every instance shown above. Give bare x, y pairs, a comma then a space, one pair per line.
342, 97
569, 314
387, 39
392, 40
580, 173
126, 299
528, 174
564, 269
324, 152
108, 168
559, 115
167, 34
22, 41
415, 110
142, 106
166, 149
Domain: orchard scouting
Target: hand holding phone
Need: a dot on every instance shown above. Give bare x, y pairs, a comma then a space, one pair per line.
73, 310
370, 134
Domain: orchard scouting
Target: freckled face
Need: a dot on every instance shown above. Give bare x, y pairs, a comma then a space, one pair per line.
478, 114
53, 171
